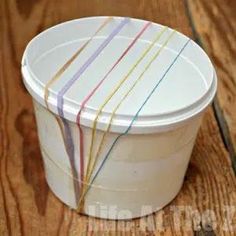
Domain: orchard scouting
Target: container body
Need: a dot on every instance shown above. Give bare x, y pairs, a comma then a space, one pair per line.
143, 173
118, 103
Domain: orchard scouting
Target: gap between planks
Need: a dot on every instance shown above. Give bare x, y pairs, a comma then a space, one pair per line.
220, 119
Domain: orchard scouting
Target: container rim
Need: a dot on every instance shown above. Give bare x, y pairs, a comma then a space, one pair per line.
143, 124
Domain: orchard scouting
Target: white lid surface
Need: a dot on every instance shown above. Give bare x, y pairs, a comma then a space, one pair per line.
178, 84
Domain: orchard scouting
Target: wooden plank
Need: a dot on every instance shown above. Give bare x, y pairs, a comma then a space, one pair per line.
215, 25
27, 206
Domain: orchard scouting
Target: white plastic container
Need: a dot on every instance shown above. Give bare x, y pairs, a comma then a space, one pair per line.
155, 125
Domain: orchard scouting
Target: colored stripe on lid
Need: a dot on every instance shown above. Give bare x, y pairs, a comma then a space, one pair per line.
122, 99
116, 89
68, 63
87, 63
133, 120
63, 124
84, 102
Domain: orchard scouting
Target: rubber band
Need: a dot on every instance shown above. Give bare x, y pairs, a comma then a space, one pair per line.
63, 69
134, 118
87, 63
68, 63
65, 88
81, 202
92, 93
58, 166
114, 91
124, 97
62, 123
154, 57
47, 156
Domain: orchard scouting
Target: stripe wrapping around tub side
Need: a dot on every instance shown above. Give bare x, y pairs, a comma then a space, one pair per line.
69, 62
86, 64
59, 73
65, 88
87, 98
122, 100
135, 117
90, 164
117, 87
63, 125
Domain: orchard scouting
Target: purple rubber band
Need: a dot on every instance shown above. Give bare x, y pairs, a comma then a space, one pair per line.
68, 135
82, 69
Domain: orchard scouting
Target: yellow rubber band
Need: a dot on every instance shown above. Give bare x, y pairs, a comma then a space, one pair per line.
124, 97
92, 165
110, 96
68, 63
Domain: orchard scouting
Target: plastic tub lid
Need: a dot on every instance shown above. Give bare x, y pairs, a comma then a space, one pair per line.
122, 72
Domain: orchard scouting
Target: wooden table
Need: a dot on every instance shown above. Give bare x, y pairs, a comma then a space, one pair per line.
207, 201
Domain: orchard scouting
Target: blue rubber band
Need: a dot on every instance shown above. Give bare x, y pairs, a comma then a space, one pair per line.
135, 117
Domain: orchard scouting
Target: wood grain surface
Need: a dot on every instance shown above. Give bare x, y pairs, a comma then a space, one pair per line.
214, 22
206, 204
